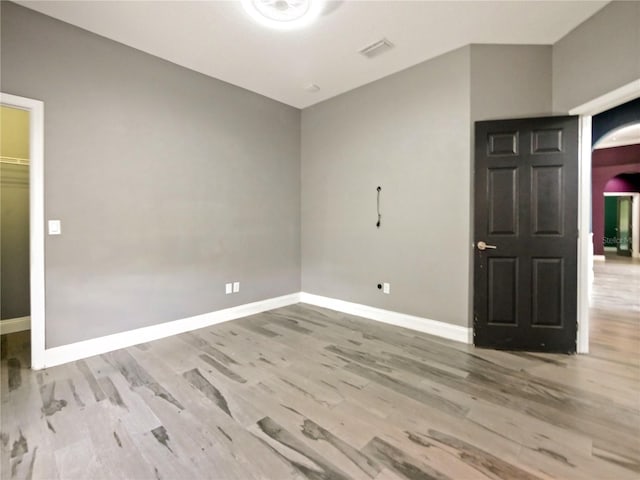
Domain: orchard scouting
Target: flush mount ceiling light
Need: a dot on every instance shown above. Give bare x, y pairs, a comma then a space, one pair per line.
283, 14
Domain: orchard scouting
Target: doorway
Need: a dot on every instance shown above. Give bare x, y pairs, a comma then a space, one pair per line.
34, 110
615, 163
586, 244
616, 220
14, 218
622, 223
506, 141
525, 212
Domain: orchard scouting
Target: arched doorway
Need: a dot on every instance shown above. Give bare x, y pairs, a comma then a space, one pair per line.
622, 215
615, 214
615, 170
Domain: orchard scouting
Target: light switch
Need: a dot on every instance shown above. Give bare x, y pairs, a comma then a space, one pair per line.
236, 287
55, 227
228, 288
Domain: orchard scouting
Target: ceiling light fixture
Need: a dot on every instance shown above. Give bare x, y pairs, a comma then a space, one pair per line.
283, 14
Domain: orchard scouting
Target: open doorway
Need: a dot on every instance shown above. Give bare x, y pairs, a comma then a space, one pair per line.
14, 217
615, 293
622, 219
627, 94
32, 112
615, 182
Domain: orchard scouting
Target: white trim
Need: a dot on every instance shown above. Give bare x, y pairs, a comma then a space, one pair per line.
612, 99
36, 220
635, 226
12, 325
592, 275
599, 258
96, 346
425, 325
585, 237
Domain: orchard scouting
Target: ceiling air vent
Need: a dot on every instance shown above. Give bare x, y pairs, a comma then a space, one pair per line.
376, 48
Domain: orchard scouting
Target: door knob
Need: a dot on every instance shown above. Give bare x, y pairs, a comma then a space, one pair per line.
483, 246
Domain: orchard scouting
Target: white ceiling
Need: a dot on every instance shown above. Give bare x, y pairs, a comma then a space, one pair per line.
218, 39
629, 135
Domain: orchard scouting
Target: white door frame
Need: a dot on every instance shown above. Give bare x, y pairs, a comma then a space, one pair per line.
585, 246
36, 220
635, 215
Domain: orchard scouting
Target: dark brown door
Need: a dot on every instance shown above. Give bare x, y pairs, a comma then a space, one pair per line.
526, 216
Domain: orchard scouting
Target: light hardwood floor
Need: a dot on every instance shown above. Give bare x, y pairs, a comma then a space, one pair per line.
307, 393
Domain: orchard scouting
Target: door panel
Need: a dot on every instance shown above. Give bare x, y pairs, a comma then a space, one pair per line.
546, 198
547, 292
526, 199
503, 286
503, 198
547, 141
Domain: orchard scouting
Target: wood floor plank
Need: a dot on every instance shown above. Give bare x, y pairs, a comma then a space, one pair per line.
79, 461
116, 447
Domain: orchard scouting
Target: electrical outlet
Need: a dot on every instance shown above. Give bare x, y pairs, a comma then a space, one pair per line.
236, 287
228, 288
386, 288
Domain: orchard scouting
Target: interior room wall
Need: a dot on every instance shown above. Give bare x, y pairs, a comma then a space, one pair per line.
168, 183
510, 81
597, 57
410, 133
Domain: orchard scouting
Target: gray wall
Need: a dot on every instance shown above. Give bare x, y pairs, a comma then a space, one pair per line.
411, 133
408, 133
168, 183
510, 81
14, 241
600, 55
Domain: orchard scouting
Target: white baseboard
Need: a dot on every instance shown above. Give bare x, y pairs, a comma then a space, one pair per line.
599, 258
12, 325
96, 346
425, 325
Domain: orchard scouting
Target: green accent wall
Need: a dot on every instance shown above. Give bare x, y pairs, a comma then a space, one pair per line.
610, 221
